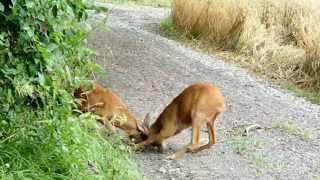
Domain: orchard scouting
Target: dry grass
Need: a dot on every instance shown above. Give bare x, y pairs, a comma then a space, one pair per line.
280, 38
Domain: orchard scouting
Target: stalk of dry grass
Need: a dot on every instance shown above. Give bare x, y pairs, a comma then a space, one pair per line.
280, 38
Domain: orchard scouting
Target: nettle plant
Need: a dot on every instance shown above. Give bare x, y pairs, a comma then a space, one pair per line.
42, 51
43, 58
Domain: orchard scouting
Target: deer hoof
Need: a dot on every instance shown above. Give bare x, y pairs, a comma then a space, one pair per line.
171, 157
161, 147
193, 148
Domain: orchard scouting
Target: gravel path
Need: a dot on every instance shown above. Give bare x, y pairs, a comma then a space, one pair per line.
148, 70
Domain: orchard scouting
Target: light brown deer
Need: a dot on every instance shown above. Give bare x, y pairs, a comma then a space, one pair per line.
104, 103
198, 104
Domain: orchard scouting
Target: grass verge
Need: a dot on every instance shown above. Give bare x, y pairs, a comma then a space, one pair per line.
76, 151
292, 128
248, 147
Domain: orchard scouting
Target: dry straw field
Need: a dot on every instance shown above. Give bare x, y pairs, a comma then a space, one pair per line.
280, 38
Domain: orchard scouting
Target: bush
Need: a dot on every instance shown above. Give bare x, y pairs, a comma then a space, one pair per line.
279, 38
43, 58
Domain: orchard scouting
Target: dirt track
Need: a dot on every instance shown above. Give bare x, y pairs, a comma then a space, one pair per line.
148, 70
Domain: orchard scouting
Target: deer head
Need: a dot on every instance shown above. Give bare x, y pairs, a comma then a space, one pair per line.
142, 130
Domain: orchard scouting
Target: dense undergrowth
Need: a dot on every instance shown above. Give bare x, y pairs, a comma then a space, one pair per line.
43, 58
279, 39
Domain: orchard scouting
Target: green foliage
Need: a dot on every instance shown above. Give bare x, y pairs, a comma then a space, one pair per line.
170, 30
43, 58
312, 96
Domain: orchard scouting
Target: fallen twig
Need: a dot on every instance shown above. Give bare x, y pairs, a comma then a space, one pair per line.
251, 127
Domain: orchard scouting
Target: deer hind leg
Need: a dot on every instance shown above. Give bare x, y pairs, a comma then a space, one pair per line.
192, 146
212, 134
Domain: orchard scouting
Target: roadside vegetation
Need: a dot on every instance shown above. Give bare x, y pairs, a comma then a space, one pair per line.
277, 39
250, 148
291, 128
43, 58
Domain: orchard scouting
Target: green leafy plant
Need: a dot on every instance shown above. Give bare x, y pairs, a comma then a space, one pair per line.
43, 58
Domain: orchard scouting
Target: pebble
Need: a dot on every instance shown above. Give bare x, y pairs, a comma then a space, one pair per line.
162, 170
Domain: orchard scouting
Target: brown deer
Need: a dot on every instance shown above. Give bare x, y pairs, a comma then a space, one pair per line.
104, 103
198, 104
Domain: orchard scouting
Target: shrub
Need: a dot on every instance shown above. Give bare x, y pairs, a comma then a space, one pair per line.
43, 57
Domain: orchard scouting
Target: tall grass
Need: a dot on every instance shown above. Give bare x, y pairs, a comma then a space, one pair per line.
280, 38
75, 151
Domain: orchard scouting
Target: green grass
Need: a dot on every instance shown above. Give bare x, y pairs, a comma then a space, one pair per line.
156, 3
260, 160
288, 127
76, 151
249, 147
245, 144
292, 128
170, 30
313, 97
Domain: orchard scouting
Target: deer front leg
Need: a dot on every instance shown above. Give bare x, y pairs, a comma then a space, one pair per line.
194, 144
